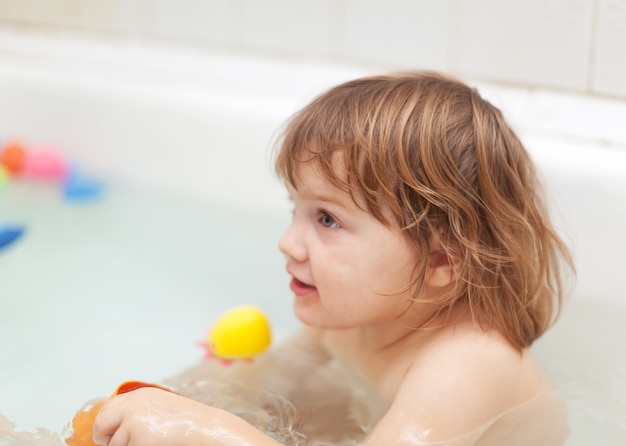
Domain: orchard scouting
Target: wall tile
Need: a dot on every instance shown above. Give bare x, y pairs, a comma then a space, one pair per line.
532, 42
100, 15
570, 44
406, 33
117, 16
297, 27
3, 9
217, 21
49, 12
609, 52
337, 29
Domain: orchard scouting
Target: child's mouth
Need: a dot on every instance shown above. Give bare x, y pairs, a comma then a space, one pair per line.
300, 288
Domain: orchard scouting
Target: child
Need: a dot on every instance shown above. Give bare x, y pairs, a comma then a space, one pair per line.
423, 266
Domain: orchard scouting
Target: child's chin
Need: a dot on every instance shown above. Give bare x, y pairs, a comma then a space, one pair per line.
309, 313
314, 317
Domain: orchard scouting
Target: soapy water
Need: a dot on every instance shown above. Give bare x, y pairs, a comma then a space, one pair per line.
316, 409
268, 412
291, 425
324, 410
41, 437
320, 412
312, 417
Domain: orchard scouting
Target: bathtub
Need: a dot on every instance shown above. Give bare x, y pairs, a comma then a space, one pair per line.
122, 287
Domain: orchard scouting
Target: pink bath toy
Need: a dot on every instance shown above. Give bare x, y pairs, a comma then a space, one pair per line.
45, 164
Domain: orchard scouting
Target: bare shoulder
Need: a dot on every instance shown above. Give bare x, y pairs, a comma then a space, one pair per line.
460, 379
481, 355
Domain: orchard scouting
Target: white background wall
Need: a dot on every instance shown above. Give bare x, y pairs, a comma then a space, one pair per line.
575, 45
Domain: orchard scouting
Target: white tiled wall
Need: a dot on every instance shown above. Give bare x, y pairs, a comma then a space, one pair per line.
117, 16
608, 70
405, 33
209, 21
287, 26
577, 45
544, 42
58, 12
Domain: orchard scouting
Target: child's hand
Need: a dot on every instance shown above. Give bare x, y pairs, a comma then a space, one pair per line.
155, 417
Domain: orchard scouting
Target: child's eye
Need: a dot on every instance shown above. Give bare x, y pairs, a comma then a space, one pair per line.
328, 221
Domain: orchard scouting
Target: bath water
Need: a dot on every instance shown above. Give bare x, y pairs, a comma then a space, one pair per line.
120, 288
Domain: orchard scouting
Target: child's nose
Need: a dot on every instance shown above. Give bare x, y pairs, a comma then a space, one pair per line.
291, 244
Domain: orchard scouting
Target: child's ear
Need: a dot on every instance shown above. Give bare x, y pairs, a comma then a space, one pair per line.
441, 265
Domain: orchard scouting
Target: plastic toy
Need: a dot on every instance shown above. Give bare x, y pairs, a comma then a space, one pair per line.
77, 186
4, 176
45, 164
13, 156
9, 234
82, 424
241, 333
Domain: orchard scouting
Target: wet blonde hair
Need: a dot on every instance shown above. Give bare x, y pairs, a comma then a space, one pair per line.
429, 151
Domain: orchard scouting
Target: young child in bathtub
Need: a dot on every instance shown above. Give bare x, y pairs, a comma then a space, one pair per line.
423, 266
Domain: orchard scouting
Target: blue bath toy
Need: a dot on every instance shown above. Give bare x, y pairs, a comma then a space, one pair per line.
77, 186
9, 234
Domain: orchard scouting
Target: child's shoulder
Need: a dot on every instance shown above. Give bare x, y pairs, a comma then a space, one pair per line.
464, 377
467, 341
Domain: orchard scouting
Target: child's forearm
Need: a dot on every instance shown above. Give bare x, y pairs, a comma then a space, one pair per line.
154, 417
233, 431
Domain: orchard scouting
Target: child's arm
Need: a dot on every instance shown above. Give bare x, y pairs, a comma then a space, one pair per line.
155, 417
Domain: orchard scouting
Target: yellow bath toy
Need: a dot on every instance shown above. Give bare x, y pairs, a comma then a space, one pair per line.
240, 333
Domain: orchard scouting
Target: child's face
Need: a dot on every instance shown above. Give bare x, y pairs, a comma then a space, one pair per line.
347, 267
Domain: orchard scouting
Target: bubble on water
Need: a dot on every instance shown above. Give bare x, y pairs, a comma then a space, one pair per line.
10, 436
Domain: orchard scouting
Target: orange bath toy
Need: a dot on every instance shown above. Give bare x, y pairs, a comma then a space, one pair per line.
82, 424
13, 156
